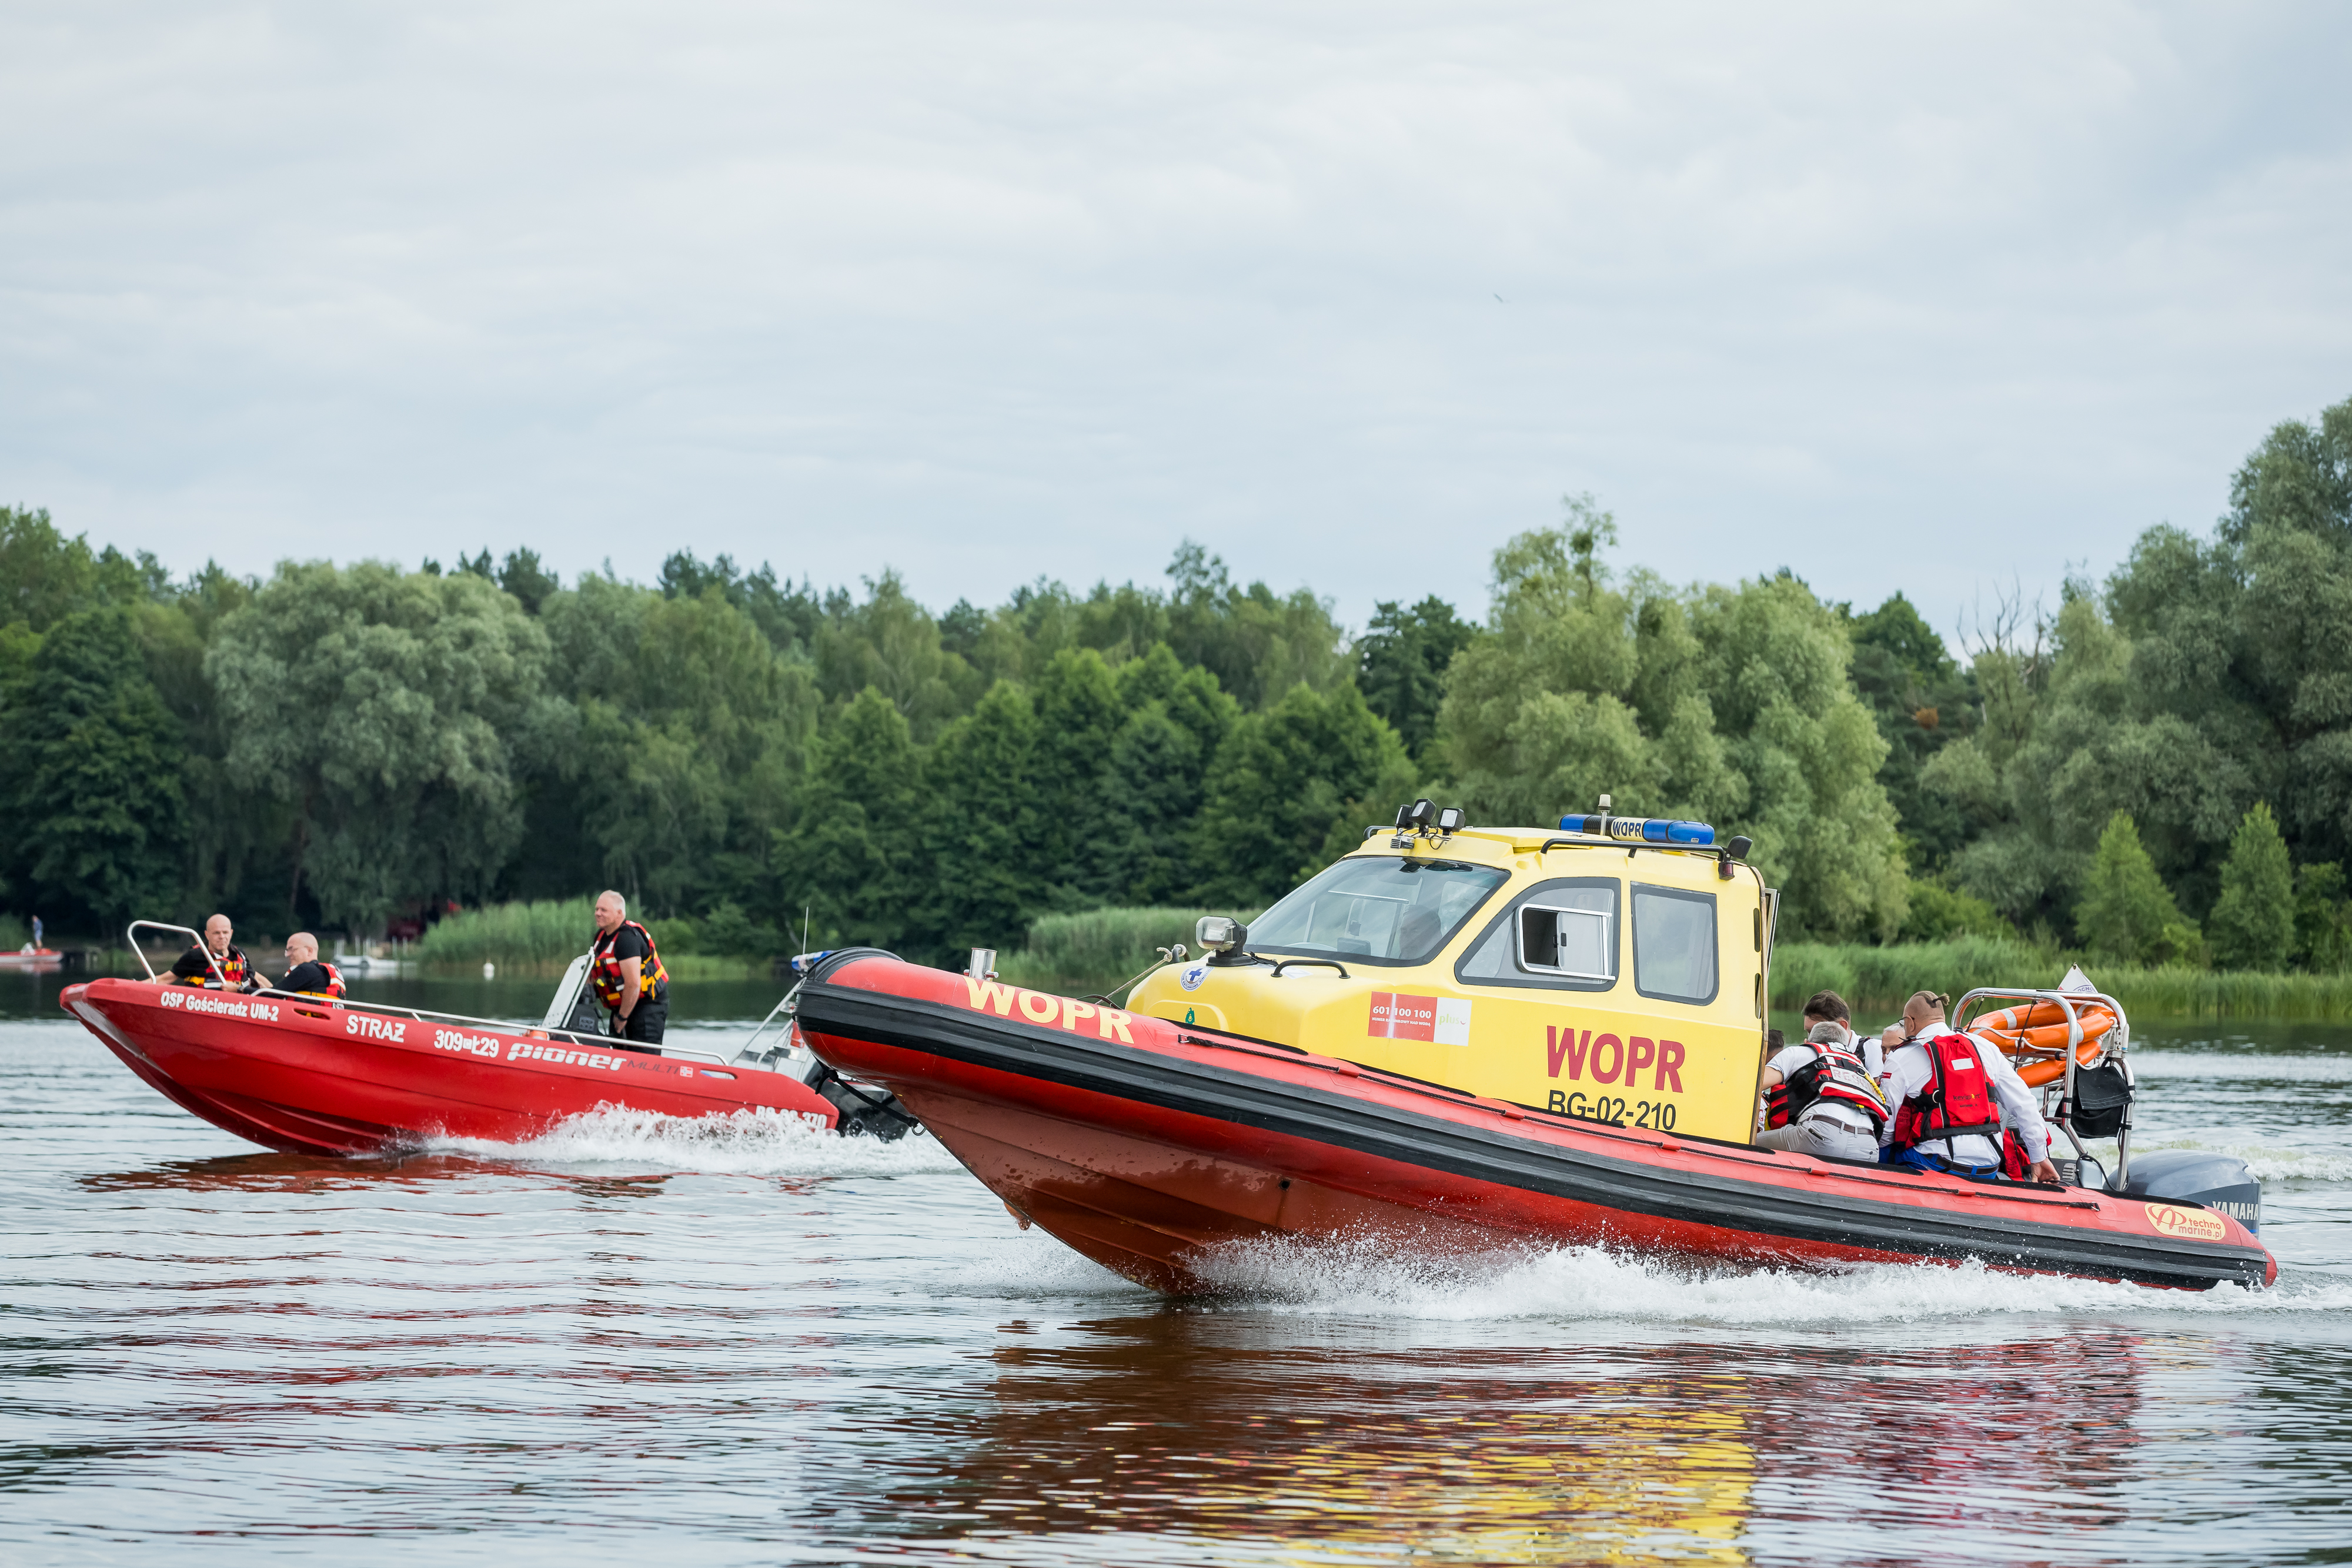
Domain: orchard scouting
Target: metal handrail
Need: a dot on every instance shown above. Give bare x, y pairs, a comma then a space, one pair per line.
595, 1041
194, 940
2117, 1043
753, 1037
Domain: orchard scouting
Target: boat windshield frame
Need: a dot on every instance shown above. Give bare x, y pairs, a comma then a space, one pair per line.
1341, 868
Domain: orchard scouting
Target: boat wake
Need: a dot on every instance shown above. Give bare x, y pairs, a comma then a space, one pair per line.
1362, 1278
744, 1142
2268, 1157
1381, 1279
2315, 1068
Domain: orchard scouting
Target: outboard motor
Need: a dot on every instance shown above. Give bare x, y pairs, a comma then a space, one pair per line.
2218, 1182
866, 1109
870, 1112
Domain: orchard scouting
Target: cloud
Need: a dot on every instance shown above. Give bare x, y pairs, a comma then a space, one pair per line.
1911, 297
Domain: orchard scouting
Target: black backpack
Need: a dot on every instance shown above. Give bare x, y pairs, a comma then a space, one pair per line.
2103, 1094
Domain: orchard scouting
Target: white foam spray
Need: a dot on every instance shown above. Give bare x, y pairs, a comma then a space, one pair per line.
2317, 1068
1367, 1277
753, 1142
1019, 1265
2268, 1156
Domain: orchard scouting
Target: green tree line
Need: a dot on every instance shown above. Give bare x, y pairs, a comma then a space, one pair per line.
2159, 769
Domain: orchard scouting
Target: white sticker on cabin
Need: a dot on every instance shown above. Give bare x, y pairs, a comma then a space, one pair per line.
1453, 1020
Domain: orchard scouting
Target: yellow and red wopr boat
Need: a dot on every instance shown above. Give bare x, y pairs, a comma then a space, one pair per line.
1456, 1038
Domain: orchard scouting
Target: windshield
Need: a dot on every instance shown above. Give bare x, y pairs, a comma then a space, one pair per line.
1377, 909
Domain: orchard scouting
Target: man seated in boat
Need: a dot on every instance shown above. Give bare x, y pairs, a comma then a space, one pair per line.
306, 974
627, 975
215, 961
1827, 1006
1960, 1106
1821, 1096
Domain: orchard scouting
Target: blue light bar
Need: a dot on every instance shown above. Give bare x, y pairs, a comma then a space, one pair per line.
1642, 830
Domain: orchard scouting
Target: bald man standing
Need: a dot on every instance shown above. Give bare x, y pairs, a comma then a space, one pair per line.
306, 974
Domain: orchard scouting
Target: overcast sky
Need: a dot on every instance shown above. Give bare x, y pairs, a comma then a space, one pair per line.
1920, 297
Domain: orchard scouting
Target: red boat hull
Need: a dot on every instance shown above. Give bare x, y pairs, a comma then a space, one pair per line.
307, 1077
1146, 1152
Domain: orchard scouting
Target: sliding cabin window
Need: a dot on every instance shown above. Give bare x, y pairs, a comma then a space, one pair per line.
1556, 935
1376, 909
1673, 944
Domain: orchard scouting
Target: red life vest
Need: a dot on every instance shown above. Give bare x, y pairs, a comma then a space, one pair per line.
1957, 1102
605, 974
1836, 1075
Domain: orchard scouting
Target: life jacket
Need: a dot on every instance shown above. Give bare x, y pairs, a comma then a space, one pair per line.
334, 981
234, 970
605, 974
1956, 1102
1835, 1075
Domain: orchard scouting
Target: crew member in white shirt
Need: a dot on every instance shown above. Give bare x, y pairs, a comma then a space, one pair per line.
1909, 1071
1833, 1107
1827, 1006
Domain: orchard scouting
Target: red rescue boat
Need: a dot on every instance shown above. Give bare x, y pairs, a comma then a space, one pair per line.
1144, 1142
304, 1075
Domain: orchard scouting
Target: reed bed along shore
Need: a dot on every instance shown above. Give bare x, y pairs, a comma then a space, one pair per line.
1884, 976
543, 937
1087, 953
551, 933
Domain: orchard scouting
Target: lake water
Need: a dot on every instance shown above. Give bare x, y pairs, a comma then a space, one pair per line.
648, 1343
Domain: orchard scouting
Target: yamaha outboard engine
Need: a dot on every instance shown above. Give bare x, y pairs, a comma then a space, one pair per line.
2218, 1182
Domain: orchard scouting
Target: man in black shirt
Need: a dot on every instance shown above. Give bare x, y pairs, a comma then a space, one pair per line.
218, 962
627, 975
305, 973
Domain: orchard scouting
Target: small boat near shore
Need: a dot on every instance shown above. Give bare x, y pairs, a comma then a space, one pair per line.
39, 960
302, 1074
1461, 1038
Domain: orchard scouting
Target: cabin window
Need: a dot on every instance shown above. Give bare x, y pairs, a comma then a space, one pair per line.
1557, 936
1571, 936
1673, 944
1376, 909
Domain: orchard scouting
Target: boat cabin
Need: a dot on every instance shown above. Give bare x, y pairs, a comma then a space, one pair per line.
1614, 969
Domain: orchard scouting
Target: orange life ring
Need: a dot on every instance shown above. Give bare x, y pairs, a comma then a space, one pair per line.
2033, 1015
2040, 1028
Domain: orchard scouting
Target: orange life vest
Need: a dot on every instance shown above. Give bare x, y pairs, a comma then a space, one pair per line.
605, 974
334, 981
234, 970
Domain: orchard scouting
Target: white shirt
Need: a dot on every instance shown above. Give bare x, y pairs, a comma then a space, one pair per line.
1908, 1071
1788, 1061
